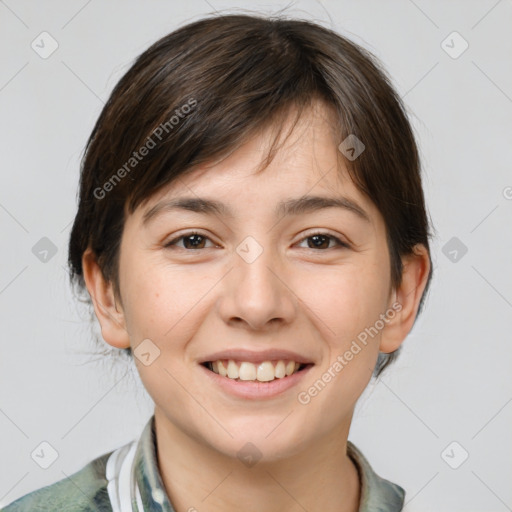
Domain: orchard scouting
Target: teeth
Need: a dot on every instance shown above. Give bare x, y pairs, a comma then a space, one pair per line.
264, 372
247, 371
232, 370
221, 369
280, 371
290, 367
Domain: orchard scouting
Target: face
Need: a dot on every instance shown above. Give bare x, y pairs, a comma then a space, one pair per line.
257, 284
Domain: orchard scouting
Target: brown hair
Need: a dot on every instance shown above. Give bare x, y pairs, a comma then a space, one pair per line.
201, 91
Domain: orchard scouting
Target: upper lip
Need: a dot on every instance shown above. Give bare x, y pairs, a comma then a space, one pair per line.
252, 356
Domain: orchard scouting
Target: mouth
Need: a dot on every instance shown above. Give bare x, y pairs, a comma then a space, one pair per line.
264, 371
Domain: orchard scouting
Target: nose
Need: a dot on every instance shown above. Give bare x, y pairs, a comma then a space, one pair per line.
257, 292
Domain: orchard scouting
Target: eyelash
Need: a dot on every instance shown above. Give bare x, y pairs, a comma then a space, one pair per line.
319, 233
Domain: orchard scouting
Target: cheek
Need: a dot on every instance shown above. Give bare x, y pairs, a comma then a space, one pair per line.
159, 296
347, 305
163, 305
347, 299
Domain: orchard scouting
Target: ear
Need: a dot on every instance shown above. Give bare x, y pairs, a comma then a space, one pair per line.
416, 268
109, 313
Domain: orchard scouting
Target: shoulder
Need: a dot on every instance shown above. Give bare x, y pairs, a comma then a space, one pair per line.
83, 491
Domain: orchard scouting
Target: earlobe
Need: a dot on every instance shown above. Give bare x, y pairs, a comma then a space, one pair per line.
407, 298
109, 313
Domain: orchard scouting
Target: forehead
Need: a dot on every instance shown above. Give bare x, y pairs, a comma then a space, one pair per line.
307, 162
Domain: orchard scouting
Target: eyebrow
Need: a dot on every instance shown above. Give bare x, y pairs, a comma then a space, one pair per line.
295, 206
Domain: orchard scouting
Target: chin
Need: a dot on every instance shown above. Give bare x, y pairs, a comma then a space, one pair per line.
267, 439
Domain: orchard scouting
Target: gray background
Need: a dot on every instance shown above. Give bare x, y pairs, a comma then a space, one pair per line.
453, 379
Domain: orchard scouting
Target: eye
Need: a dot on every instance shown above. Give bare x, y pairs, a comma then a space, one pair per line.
192, 240
319, 241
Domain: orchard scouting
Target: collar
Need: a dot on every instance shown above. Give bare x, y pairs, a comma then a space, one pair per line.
377, 493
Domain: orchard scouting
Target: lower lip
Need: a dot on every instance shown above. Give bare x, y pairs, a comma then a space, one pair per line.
255, 389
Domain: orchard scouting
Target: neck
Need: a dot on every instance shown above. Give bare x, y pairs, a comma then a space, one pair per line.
195, 477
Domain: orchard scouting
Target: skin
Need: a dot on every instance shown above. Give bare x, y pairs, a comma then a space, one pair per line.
315, 301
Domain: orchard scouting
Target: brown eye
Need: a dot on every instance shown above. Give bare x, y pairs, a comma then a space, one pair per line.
190, 241
322, 240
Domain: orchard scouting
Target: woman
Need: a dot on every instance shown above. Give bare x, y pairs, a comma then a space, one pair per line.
252, 228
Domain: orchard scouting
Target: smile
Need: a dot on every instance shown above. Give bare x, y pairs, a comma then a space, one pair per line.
266, 371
